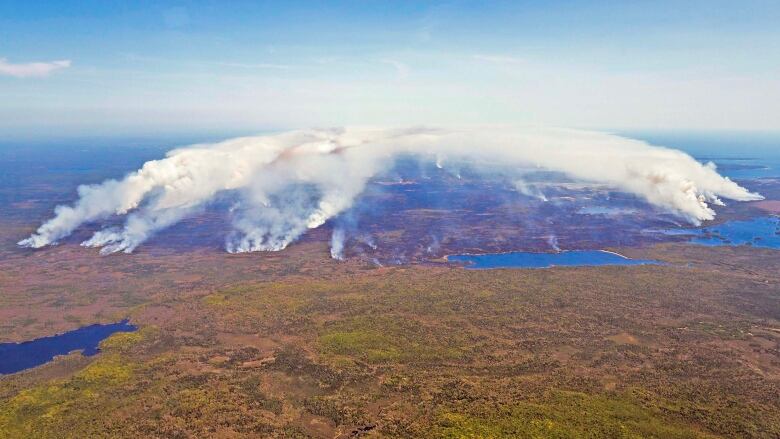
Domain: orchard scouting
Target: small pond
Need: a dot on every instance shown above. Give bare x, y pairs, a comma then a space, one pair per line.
15, 357
571, 258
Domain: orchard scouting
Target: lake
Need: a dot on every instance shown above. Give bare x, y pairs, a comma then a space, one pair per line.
16, 357
573, 258
738, 155
757, 232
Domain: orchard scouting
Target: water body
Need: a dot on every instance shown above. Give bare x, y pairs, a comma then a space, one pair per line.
746, 168
758, 232
738, 155
573, 258
15, 357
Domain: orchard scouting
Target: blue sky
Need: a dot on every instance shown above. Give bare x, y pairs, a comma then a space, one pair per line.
103, 67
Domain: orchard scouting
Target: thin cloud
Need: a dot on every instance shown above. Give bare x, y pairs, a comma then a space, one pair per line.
33, 69
254, 65
499, 59
401, 69
240, 65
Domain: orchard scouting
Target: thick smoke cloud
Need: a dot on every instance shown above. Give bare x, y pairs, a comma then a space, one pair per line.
295, 181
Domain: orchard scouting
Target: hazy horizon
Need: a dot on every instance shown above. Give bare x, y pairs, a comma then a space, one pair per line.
95, 68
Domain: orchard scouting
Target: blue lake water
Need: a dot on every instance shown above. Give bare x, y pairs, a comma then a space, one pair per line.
758, 232
545, 260
15, 357
738, 155
750, 168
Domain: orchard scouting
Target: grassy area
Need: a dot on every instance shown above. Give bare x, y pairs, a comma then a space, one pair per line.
653, 351
389, 340
68, 408
566, 414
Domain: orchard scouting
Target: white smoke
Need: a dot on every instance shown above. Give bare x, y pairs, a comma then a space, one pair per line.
529, 190
553, 241
295, 181
337, 244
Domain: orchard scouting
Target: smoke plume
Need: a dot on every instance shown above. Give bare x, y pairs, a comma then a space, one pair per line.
337, 244
291, 182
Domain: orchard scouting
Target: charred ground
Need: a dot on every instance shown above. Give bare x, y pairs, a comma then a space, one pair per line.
295, 344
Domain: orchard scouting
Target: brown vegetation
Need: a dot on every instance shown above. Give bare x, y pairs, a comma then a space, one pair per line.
294, 344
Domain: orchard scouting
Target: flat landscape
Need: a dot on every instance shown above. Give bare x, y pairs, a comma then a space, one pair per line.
302, 346
348, 219
395, 341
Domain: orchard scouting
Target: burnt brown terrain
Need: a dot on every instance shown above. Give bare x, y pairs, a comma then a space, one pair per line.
294, 344
395, 343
